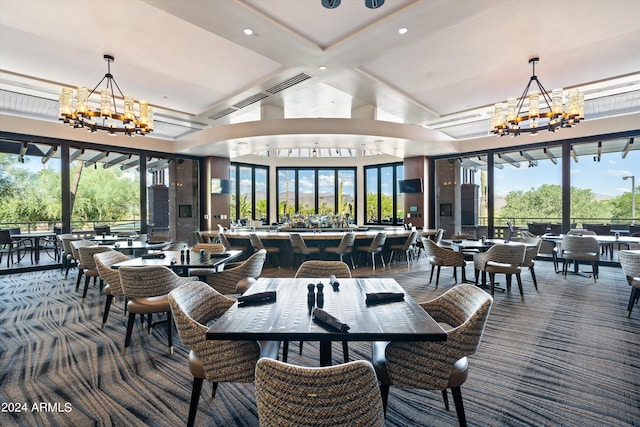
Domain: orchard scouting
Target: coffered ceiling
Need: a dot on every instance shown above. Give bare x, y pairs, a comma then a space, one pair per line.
218, 91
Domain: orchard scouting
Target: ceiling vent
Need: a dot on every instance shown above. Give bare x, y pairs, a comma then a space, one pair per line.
250, 100
288, 83
222, 113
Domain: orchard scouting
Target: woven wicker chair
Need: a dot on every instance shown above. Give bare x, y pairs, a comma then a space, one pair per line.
441, 257
343, 395
547, 249
147, 288
110, 276
316, 270
67, 253
501, 258
256, 244
408, 247
376, 246
463, 311
345, 247
530, 254
630, 263
580, 248
75, 245
230, 281
194, 306
89, 265
210, 248
300, 249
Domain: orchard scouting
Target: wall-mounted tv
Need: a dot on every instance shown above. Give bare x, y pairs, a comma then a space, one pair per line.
220, 186
410, 185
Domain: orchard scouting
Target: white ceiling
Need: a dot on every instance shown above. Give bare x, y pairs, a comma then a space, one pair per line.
435, 84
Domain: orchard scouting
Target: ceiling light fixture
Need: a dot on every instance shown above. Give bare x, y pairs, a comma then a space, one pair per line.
76, 112
371, 4
507, 118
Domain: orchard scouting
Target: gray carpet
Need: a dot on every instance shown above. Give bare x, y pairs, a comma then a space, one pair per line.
566, 356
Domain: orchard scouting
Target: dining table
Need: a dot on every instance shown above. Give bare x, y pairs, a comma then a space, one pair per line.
180, 262
136, 247
35, 238
359, 309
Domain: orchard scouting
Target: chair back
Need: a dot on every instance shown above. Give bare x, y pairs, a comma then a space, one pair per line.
378, 242
150, 281
297, 243
341, 395
193, 306
317, 269
410, 240
601, 229
465, 310
77, 244
176, 246
630, 267
538, 228
86, 255
111, 276
99, 229
224, 241
581, 232
347, 243
5, 237
208, 247
199, 237
226, 281
512, 253
14, 230
438, 236
256, 242
580, 244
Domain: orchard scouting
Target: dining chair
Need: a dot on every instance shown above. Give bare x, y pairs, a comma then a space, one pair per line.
408, 247
443, 257
501, 258
630, 264
256, 244
531, 252
463, 312
345, 247
343, 395
227, 245
299, 248
194, 306
88, 264
75, 245
147, 289
199, 237
578, 248
10, 247
548, 249
102, 229
317, 269
111, 277
232, 280
376, 246
67, 251
467, 252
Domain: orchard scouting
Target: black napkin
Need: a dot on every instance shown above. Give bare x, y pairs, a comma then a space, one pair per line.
380, 297
324, 317
257, 298
159, 255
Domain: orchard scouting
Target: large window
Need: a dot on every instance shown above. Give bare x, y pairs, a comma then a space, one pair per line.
249, 193
384, 203
321, 191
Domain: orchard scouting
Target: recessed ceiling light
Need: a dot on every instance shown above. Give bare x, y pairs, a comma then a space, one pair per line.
403, 31
248, 31
322, 68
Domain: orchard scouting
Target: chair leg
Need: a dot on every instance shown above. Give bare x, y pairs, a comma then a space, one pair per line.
345, 351
285, 351
457, 400
438, 277
86, 287
533, 276
127, 339
195, 398
107, 306
519, 279
170, 331
384, 393
431, 276
635, 292
445, 397
373, 259
492, 279
80, 273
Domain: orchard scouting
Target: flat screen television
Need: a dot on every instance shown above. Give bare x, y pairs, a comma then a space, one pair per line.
410, 185
220, 186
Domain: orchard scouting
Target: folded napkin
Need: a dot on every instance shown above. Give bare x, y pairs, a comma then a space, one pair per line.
159, 255
324, 317
380, 297
257, 298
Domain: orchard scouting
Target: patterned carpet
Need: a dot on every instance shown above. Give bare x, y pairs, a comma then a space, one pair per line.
566, 356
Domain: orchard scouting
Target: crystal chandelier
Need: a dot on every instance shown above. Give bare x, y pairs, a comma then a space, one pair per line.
77, 113
507, 119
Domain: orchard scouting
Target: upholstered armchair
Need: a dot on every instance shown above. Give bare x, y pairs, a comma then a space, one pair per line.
345, 247
505, 259
531, 252
110, 276
442, 257
194, 306
147, 290
630, 263
578, 248
231, 281
408, 247
343, 395
75, 257
462, 311
88, 264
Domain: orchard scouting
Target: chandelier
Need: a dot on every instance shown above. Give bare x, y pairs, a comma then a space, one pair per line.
77, 113
508, 118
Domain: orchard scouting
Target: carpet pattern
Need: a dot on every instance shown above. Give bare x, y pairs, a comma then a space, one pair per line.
566, 356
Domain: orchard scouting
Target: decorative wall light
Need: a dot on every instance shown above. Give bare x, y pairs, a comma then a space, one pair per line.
508, 118
77, 113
